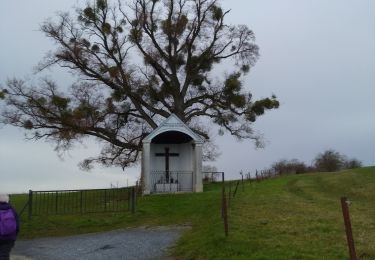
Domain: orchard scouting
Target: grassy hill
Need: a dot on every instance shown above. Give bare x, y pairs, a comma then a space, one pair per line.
291, 217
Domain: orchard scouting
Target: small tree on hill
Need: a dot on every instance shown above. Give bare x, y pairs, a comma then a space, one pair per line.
353, 163
293, 166
329, 161
136, 63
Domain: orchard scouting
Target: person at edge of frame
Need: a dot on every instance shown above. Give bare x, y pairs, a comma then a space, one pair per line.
7, 241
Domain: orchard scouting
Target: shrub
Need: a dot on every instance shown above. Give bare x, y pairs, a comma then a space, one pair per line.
352, 163
329, 161
293, 166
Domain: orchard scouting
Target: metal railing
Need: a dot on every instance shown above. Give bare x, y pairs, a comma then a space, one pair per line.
55, 202
171, 181
210, 177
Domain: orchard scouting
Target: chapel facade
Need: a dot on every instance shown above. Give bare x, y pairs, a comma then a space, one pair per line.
172, 158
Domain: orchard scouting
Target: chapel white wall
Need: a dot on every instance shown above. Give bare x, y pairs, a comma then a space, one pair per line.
183, 162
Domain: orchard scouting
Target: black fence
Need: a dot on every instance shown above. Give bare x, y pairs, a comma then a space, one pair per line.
55, 202
210, 177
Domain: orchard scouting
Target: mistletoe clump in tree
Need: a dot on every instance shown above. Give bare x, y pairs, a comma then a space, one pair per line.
136, 63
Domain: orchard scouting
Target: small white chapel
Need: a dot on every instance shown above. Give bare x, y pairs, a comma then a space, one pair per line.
172, 158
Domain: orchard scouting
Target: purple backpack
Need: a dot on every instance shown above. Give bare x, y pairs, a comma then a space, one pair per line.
8, 224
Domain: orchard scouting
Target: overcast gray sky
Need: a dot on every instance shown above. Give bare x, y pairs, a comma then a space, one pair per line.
317, 56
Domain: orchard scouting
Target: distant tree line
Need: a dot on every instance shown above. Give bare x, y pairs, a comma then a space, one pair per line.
328, 161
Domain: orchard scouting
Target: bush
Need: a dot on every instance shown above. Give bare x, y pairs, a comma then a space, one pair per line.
293, 166
353, 163
329, 161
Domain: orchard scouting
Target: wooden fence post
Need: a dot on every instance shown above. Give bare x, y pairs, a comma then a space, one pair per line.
229, 193
136, 192
223, 194
81, 201
56, 202
243, 187
235, 190
129, 198
105, 200
348, 228
224, 211
30, 203
133, 199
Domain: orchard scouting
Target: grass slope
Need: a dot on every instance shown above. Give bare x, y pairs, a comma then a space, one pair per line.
292, 217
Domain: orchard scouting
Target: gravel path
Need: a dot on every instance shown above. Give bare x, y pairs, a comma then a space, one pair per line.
137, 243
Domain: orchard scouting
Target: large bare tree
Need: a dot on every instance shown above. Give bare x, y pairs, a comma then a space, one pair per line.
136, 62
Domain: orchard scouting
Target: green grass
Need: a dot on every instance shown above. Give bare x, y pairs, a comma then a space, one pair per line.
291, 217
